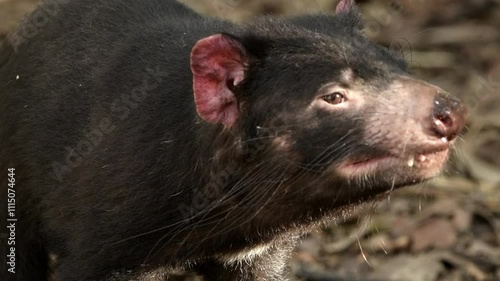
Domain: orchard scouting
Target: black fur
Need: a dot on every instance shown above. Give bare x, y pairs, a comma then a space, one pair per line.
111, 178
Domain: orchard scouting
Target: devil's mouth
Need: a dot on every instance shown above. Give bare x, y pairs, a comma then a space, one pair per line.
429, 159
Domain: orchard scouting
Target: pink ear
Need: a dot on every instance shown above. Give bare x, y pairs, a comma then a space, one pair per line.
216, 62
345, 6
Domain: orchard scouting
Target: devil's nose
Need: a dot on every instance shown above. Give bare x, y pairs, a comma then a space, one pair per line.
448, 116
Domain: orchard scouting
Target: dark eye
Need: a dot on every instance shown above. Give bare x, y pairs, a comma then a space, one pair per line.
335, 98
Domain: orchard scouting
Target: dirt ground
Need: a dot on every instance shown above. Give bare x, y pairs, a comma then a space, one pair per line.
448, 229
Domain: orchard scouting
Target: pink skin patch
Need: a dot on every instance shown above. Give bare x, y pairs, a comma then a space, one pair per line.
216, 62
345, 6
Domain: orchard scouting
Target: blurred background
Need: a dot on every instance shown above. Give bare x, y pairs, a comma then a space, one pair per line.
448, 229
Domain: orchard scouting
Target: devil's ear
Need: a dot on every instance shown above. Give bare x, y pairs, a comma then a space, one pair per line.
218, 62
345, 6
348, 13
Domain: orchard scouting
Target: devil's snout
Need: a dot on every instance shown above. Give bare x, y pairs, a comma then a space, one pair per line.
448, 117
442, 115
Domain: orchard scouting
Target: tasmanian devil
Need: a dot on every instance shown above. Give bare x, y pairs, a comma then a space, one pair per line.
142, 137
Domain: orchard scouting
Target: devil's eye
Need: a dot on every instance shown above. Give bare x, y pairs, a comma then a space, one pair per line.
335, 98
